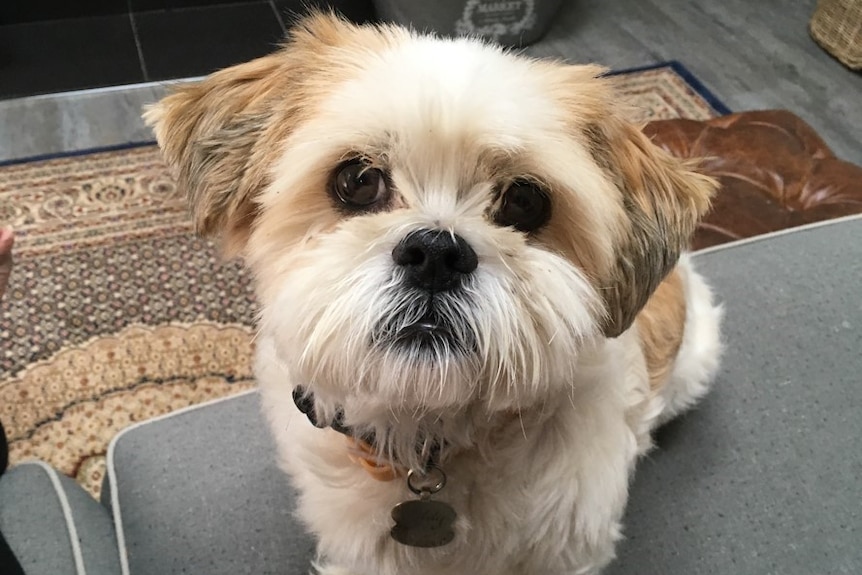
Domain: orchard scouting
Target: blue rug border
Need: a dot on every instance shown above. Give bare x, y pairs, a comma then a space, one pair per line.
674, 65
84, 152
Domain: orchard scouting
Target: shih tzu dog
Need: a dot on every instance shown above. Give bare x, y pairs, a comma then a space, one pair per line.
474, 308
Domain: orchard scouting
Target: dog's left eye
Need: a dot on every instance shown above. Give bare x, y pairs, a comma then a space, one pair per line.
360, 186
524, 206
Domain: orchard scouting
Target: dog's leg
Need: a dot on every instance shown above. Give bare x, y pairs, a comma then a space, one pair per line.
697, 360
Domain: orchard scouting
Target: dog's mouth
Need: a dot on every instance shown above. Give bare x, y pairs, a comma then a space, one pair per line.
432, 335
429, 330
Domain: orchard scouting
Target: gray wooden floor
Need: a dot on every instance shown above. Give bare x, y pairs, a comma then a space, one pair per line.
752, 54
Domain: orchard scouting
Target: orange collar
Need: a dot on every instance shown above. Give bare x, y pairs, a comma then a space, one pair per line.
361, 453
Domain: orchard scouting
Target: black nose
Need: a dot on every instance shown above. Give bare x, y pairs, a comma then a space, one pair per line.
435, 260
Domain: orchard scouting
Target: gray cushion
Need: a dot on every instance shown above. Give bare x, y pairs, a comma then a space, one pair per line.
766, 476
53, 526
198, 491
762, 478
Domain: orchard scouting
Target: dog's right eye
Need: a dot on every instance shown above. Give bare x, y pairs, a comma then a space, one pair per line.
359, 186
524, 206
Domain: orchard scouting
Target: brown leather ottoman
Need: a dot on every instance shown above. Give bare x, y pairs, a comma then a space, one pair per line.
775, 172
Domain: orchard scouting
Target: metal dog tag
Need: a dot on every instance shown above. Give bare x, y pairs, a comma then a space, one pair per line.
423, 523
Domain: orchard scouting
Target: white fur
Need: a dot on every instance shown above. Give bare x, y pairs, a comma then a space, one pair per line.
697, 360
546, 498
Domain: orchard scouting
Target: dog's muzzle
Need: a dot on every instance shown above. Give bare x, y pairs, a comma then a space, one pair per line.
434, 265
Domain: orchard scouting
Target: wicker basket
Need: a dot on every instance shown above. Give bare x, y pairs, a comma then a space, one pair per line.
837, 26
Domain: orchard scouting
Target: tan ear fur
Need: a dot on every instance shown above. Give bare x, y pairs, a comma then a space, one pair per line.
663, 198
222, 136
212, 135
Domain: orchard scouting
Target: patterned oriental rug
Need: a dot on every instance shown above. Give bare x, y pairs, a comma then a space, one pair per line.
116, 312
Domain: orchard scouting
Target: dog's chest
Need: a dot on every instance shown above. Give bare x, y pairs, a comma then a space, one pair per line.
498, 502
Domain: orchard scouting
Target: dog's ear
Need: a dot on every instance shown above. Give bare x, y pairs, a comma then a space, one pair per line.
223, 135
663, 198
215, 135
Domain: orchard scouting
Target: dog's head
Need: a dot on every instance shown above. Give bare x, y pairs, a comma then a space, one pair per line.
432, 223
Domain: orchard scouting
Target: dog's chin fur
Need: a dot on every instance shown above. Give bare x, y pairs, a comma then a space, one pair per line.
549, 364
511, 333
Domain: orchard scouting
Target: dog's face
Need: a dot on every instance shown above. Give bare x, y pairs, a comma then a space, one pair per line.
432, 224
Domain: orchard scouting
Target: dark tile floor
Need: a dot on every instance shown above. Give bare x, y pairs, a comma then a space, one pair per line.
182, 39
195, 41
52, 56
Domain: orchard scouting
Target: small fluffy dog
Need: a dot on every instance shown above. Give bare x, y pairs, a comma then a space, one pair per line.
473, 307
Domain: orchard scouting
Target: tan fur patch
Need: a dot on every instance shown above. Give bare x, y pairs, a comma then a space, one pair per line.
660, 325
652, 201
577, 227
570, 232
308, 212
